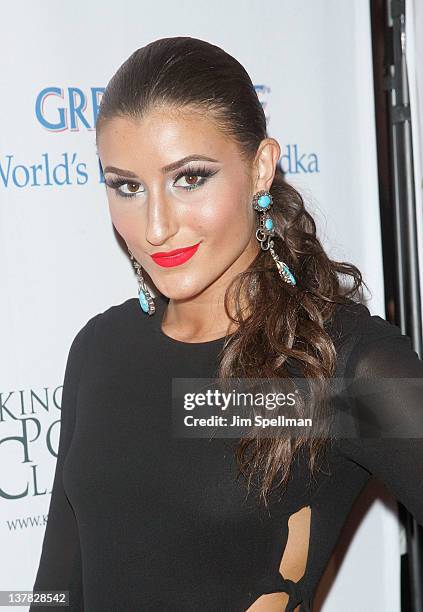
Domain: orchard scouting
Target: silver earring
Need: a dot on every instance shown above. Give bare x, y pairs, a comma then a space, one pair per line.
144, 296
262, 201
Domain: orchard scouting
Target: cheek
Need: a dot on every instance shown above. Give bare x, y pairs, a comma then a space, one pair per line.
226, 213
123, 219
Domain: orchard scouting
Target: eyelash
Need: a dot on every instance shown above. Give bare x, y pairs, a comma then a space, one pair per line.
200, 172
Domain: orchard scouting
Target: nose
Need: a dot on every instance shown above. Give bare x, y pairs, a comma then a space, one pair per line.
161, 219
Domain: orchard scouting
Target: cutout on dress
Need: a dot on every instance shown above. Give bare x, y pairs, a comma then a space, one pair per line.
293, 563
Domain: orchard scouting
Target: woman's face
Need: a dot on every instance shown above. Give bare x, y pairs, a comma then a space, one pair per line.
201, 201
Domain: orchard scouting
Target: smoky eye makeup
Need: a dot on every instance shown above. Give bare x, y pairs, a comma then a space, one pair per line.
116, 183
193, 171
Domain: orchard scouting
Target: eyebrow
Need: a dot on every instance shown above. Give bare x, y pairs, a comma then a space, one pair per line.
173, 166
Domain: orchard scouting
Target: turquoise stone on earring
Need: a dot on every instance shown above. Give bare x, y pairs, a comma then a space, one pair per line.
286, 272
268, 224
143, 301
144, 297
264, 201
289, 274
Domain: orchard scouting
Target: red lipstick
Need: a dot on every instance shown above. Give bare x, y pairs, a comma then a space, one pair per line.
168, 259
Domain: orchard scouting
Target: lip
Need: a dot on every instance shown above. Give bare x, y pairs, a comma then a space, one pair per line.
176, 257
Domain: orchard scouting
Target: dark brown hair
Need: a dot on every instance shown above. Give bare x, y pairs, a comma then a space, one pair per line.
284, 325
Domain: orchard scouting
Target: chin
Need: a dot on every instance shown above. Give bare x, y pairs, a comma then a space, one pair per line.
177, 291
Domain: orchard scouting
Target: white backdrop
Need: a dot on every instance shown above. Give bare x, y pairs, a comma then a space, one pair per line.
60, 260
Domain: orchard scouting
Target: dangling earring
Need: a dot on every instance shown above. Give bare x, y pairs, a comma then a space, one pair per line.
262, 201
144, 296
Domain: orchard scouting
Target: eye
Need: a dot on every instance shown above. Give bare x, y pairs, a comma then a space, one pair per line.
194, 177
192, 180
117, 184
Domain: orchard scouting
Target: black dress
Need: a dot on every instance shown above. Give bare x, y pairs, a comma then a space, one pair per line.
140, 520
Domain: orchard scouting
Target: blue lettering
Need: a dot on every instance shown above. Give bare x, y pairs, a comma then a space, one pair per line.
76, 109
61, 124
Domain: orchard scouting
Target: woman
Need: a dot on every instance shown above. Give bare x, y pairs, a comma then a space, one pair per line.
141, 519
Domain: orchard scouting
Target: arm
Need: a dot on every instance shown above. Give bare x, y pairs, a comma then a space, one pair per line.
60, 562
386, 400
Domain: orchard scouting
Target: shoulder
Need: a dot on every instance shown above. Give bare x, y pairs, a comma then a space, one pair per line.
375, 345
348, 320
355, 318
115, 319
105, 327
383, 391
371, 342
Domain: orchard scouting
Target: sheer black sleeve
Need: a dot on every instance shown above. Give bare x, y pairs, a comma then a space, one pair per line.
385, 396
60, 561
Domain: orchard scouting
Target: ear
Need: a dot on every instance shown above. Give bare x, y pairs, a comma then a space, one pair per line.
265, 163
